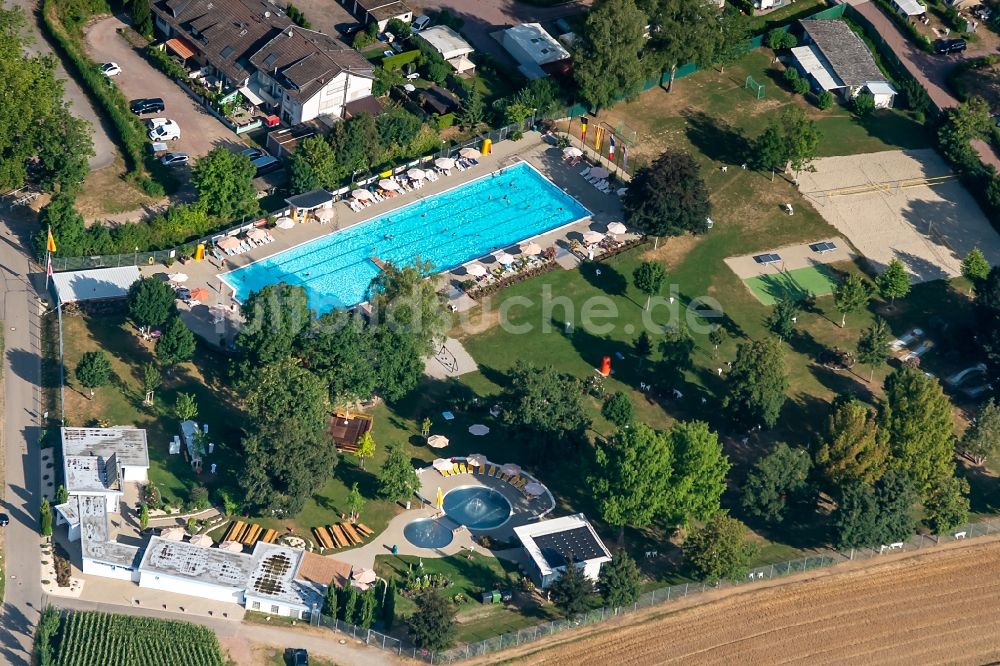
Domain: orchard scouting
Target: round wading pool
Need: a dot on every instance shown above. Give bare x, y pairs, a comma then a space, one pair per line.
477, 508
427, 533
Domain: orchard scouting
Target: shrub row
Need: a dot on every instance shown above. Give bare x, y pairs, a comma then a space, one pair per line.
955, 74
922, 41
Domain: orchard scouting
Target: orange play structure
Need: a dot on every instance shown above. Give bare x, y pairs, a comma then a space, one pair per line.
605, 366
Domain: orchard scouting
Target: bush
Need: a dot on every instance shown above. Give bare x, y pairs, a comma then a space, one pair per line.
297, 17
800, 86
791, 75
445, 121
779, 39
863, 104
437, 72
160, 60
824, 100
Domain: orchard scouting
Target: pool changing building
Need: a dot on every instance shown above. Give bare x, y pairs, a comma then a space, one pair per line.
551, 544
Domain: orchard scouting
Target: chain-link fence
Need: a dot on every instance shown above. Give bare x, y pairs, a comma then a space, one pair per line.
654, 598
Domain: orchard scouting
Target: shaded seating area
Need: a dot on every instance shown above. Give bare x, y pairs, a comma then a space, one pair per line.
346, 429
478, 465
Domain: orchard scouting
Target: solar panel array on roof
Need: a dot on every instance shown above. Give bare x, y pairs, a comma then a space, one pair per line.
825, 246
769, 258
577, 544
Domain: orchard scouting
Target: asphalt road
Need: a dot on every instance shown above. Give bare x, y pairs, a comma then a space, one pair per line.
21, 380
104, 149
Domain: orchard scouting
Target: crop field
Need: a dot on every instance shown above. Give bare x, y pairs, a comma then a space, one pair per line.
99, 639
935, 608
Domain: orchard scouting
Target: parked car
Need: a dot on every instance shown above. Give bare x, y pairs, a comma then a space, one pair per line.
265, 165
982, 12
945, 46
169, 131
300, 657
153, 123
4, 520
254, 153
420, 23
111, 69
174, 159
147, 105
349, 29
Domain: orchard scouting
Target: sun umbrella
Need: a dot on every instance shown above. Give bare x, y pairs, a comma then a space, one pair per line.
439, 502
592, 237
530, 249
257, 234
231, 546
437, 441
476, 270
598, 172
478, 429
228, 243
388, 184
445, 163
200, 294
178, 277
361, 195
504, 258
172, 534
534, 489
572, 151
324, 214
364, 576
616, 228
470, 153
511, 469
202, 541
443, 464
284, 223
416, 174
477, 459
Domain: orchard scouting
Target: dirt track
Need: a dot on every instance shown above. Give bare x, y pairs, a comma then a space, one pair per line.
938, 607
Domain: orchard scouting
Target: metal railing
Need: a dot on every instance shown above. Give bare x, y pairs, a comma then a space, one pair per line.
655, 597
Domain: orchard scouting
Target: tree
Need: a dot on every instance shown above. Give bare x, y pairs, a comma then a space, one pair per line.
854, 449
397, 128
330, 600
643, 345
473, 111
607, 62
856, 521
405, 301
776, 480
62, 495
781, 321
850, 296
733, 39
185, 407
365, 613
779, 39
975, 268
719, 550
895, 496
676, 350
349, 603
151, 302
544, 405
143, 518
397, 479
668, 197
313, 165
432, 624
618, 409
142, 18
366, 447
632, 477
863, 104
389, 605
982, 439
681, 31
355, 143
873, 346
757, 383
274, 318
947, 505
93, 370
790, 141
699, 473
176, 344
65, 147
717, 336
987, 309
824, 100
343, 354
224, 181
151, 380
572, 590
893, 282
45, 518
648, 277
619, 581
355, 502
919, 425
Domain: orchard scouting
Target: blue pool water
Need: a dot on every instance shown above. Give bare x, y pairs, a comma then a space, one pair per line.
477, 508
447, 229
427, 533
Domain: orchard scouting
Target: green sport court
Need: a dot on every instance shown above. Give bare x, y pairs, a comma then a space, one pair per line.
818, 280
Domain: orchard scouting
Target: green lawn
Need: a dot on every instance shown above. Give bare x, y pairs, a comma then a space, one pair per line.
800, 283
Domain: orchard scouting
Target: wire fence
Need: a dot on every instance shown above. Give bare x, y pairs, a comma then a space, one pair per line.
653, 598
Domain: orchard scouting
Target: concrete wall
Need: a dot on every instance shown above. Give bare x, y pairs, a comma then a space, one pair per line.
265, 605
190, 587
136, 474
330, 100
109, 571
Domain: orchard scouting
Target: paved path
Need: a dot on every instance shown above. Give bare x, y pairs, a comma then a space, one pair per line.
21, 377
104, 149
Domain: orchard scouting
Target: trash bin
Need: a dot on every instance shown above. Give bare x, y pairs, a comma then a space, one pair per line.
487, 597
496, 596
407, 505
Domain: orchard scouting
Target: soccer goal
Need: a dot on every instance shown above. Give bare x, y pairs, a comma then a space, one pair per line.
754, 87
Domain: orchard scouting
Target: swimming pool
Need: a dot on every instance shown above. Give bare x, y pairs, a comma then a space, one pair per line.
447, 229
427, 533
477, 507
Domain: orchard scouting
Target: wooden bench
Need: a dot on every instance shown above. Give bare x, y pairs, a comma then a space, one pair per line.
269, 536
364, 529
339, 536
250, 538
234, 531
352, 533
322, 537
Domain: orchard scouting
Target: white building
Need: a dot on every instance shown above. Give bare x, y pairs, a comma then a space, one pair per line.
551, 544
536, 51
380, 12
93, 285
450, 45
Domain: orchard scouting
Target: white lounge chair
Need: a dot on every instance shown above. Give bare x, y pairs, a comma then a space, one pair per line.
585, 172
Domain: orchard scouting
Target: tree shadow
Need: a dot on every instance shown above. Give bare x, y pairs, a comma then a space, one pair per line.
605, 277
716, 139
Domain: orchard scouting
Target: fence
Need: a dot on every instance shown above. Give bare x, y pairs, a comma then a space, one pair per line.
653, 598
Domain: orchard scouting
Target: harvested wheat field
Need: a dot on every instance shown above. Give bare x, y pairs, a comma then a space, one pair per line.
939, 607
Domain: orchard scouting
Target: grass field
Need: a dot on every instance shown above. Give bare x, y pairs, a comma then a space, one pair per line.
796, 284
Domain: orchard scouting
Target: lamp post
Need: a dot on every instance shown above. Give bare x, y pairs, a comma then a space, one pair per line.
135, 257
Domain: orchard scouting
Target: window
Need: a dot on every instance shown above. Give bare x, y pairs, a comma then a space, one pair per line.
303, 615
274, 609
255, 605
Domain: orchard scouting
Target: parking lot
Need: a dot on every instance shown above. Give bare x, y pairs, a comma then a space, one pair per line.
200, 131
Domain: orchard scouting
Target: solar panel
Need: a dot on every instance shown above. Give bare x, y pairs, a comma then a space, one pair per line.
769, 258
825, 246
228, 51
270, 60
577, 544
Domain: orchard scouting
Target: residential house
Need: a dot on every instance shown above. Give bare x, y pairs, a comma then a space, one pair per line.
252, 47
552, 544
450, 45
538, 53
379, 11
835, 59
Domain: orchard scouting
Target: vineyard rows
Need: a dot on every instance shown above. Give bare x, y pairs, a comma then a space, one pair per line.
99, 639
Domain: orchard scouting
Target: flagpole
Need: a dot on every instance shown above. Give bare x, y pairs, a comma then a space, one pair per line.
48, 268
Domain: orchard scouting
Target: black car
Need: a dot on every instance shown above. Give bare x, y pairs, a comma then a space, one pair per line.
299, 657
4, 520
944, 46
148, 105
349, 29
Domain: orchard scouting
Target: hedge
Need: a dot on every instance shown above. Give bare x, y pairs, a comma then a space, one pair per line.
130, 131
397, 61
445, 121
923, 41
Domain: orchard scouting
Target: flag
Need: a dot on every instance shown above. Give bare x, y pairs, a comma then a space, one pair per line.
611, 148
48, 270
624, 157
583, 129
598, 139
50, 244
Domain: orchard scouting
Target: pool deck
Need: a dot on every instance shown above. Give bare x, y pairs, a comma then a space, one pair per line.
532, 149
524, 511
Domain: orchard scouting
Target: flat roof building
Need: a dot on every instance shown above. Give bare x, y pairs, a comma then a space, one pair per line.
450, 45
552, 544
538, 53
93, 285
